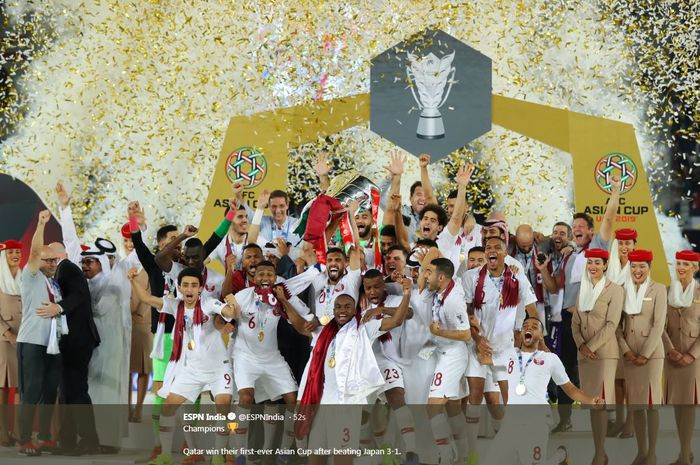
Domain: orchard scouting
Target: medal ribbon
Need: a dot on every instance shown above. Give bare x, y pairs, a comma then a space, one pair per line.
261, 321
189, 330
498, 284
330, 292
527, 364
331, 359
229, 249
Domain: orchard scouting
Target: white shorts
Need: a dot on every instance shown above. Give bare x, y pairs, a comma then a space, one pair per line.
272, 374
260, 394
448, 378
519, 443
191, 383
392, 373
489, 384
477, 370
335, 427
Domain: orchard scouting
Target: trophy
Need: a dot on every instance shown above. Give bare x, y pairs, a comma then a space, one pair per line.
328, 207
429, 75
350, 185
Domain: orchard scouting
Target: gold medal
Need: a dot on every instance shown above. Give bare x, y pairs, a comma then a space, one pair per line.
331, 361
324, 321
261, 336
190, 345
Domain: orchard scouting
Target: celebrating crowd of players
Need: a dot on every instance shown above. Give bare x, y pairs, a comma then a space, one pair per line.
450, 314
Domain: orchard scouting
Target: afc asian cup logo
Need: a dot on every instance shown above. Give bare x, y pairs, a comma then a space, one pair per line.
246, 165
615, 163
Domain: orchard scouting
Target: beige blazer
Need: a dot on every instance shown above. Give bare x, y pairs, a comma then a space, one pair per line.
597, 328
10, 314
140, 311
683, 328
642, 333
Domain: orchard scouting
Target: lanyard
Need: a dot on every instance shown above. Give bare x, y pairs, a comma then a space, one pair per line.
258, 307
188, 322
527, 364
562, 273
53, 290
189, 327
497, 282
329, 291
556, 261
331, 351
230, 250
528, 259
276, 228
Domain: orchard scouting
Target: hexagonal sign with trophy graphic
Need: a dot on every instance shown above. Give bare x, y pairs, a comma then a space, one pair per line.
430, 93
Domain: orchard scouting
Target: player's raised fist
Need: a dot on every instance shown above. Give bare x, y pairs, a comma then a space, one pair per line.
44, 216
190, 230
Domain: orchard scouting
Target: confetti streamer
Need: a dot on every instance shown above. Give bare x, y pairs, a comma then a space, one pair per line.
130, 100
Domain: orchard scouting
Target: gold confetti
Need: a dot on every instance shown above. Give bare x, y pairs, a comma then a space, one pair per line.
130, 100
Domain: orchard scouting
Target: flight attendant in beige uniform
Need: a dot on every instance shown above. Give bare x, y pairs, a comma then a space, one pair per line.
10, 317
594, 324
641, 345
682, 346
618, 272
141, 346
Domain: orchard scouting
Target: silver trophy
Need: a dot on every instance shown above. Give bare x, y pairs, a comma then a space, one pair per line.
429, 75
351, 185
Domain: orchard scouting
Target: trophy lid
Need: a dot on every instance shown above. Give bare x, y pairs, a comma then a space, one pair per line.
352, 185
341, 181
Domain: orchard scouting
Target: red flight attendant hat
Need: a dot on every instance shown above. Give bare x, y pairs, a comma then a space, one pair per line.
688, 255
597, 253
640, 256
626, 234
126, 231
10, 244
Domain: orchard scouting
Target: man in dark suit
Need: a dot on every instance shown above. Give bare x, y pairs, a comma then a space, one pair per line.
77, 417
